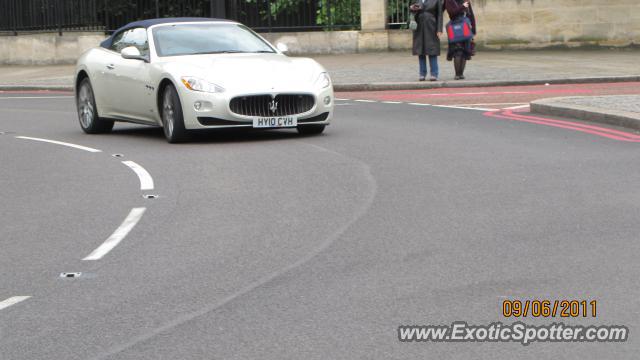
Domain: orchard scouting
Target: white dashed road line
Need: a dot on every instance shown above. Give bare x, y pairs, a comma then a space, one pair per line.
146, 181
493, 104
12, 301
121, 232
75, 146
476, 107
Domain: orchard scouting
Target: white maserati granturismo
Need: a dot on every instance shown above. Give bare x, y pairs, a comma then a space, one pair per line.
189, 73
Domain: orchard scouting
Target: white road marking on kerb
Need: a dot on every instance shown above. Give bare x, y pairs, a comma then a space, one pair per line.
118, 235
392, 102
419, 104
12, 301
146, 181
464, 108
366, 101
75, 146
517, 107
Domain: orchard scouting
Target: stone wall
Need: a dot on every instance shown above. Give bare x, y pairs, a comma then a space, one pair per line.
47, 48
502, 24
51, 48
536, 24
545, 23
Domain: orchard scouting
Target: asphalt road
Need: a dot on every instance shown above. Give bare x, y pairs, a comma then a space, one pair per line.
274, 246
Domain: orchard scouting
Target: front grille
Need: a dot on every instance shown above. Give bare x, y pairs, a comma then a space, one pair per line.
265, 105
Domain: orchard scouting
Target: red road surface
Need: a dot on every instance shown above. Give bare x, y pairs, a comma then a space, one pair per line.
494, 97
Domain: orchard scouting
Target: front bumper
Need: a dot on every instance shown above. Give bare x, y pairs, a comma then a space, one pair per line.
214, 111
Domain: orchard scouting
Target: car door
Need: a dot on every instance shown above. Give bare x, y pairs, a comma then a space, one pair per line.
129, 79
102, 79
106, 82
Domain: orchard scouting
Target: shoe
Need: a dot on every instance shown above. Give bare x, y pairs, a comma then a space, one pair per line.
433, 78
461, 77
457, 77
421, 78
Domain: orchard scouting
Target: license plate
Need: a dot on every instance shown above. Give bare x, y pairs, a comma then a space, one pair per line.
275, 122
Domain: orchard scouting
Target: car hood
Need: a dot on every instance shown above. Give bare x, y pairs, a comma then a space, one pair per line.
249, 73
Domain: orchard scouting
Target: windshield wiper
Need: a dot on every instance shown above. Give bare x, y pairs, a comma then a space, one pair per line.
219, 52
233, 52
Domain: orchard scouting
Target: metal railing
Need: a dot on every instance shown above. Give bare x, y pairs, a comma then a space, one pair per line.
398, 14
117, 13
50, 15
108, 15
283, 15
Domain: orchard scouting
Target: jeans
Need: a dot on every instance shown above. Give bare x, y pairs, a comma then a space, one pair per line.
433, 65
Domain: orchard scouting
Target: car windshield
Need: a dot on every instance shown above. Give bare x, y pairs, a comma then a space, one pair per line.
193, 39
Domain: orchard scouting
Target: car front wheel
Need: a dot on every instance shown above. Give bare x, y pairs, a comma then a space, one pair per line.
172, 116
90, 122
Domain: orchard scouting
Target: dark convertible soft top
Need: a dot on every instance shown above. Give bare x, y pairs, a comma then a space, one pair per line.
150, 22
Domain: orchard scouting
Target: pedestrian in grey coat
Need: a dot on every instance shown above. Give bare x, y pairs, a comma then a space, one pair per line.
426, 38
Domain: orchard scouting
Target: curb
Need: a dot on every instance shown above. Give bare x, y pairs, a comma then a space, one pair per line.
489, 83
555, 107
36, 88
382, 86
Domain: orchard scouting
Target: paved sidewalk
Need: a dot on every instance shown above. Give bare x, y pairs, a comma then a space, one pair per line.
36, 75
618, 110
399, 70
502, 66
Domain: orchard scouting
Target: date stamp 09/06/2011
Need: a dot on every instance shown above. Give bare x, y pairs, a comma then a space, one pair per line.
549, 308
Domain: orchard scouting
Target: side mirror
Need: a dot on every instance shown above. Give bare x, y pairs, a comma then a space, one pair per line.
283, 48
132, 53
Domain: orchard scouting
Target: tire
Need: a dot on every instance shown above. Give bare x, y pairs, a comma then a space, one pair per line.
172, 116
311, 129
90, 121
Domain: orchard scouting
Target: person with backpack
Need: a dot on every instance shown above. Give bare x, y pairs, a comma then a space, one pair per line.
461, 51
427, 30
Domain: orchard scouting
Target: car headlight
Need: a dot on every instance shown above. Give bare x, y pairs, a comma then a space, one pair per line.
324, 81
197, 84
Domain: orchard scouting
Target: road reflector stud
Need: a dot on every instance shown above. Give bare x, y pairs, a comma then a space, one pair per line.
117, 155
70, 274
150, 196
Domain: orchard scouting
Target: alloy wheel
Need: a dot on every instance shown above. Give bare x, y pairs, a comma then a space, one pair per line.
85, 106
168, 114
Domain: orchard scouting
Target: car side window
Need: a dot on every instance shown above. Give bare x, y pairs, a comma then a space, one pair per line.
117, 45
133, 37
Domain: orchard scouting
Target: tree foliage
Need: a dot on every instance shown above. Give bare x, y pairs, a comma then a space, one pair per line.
146, 9
328, 12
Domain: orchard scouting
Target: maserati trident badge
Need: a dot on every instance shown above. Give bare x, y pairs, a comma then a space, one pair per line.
273, 106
